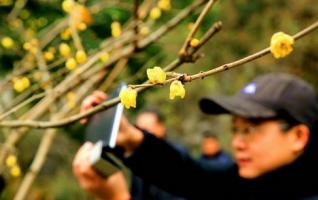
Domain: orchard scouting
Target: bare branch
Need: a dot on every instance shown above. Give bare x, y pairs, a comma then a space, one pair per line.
259, 54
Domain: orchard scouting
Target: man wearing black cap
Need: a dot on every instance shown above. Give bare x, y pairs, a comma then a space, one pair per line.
274, 142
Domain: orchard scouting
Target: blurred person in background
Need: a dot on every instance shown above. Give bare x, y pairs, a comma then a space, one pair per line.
212, 153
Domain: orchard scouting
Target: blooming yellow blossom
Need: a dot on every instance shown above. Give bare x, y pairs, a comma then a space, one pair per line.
32, 45
164, 5
104, 57
66, 34
71, 64
36, 75
116, 29
81, 26
34, 42
7, 42
71, 99
156, 75
194, 42
144, 30
68, 5
48, 56
128, 97
81, 56
176, 89
65, 50
11, 160
15, 171
81, 14
20, 84
155, 13
27, 46
281, 44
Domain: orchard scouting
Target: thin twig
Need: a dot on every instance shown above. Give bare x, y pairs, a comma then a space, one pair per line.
135, 22
114, 73
16, 108
216, 27
18, 6
184, 49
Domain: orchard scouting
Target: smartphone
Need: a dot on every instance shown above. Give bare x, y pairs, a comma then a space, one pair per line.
104, 125
102, 130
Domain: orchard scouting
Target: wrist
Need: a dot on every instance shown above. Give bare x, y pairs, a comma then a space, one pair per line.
135, 139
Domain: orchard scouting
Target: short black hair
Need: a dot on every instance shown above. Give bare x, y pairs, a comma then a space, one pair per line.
209, 134
154, 111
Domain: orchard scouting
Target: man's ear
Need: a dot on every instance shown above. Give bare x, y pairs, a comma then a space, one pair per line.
301, 134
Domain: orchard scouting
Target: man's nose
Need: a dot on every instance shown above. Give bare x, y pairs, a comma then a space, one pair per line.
238, 142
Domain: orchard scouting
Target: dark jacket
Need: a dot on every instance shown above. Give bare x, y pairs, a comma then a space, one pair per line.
156, 161
143, 190
219, 161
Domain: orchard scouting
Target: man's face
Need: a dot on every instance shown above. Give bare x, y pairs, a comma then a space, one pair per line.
261, 148
149, 122
210, 146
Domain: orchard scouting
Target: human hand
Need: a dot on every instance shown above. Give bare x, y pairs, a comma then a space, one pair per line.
113, 187
92, 100
129, 137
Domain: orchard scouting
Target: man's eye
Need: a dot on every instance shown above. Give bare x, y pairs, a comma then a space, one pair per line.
234, 130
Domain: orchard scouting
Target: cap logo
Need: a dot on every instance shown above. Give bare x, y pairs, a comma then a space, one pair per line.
250, 88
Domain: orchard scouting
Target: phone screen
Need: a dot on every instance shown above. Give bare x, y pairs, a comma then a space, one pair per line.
104, 125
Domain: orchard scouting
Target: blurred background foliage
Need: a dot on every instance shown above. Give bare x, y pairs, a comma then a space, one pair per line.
247, 28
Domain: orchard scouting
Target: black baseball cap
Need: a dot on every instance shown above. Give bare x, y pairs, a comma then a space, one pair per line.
269, 96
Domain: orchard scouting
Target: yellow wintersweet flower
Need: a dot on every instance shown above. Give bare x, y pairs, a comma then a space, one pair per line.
48, 55
20, 84
144, 30
104, 57
281, 44
128, 97
68, 5
66, 34
15, 171
155, 13
81, 56
64, 49
71, 99
25, 82
80, 14
7, 42
176, 89
156, 75
116, 29
194, 42
71, 64
81, 26
11, 160
27, 46
36, 75
164, 5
